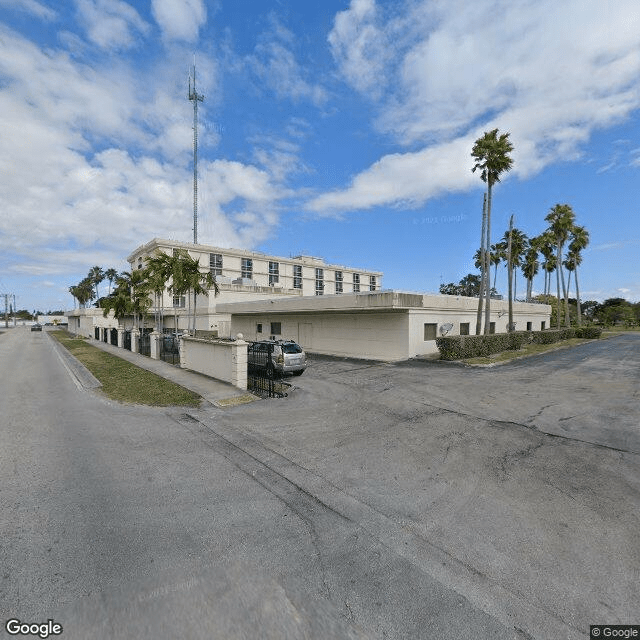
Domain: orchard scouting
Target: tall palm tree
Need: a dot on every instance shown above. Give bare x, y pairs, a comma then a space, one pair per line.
530, 267
561, 220
96, 275
110, 274
519, 245
546, 245
578, 242
199, 283
491, 155
160, 267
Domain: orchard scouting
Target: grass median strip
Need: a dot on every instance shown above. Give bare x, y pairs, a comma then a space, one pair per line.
123, 381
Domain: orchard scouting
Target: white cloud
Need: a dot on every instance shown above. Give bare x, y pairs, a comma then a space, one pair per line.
110, 23
179, 19
30, 6
91, 168
275, 64
360, 47
463, 68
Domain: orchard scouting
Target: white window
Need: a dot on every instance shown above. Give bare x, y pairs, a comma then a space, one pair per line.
356, 282
372, 283
319, 282
297, 276
339, 282
274, 273
247, 268
179, 302
215, 264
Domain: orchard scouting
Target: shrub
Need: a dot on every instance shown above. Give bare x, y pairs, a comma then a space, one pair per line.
458, 347
588, 332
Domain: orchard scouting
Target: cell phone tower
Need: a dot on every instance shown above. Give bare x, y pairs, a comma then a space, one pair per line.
195, 97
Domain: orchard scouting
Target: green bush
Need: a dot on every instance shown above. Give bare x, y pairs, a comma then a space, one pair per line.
588, 332
459, 347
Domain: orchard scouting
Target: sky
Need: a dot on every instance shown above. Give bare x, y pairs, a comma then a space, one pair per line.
335, 129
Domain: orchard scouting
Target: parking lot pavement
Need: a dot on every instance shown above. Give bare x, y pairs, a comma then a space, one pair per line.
515, 487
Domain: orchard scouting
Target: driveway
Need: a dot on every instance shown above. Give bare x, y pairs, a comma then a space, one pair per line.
517, 487
418, 500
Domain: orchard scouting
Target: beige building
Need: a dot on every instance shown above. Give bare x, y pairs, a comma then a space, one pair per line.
248, 275
381, 325
326, 308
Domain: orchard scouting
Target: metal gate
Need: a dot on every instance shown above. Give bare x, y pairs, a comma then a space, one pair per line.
114, 337
127, 340
262, 377
144, 343
96, 333
169, 351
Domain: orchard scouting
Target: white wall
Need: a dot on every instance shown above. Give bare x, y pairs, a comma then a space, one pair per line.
376, 336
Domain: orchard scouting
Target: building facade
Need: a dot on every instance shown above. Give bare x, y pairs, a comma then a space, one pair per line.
248, 275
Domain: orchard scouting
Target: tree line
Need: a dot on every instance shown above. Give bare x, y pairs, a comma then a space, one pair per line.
137, 291
491, 154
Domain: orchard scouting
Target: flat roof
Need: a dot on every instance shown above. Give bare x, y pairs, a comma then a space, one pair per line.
158, 243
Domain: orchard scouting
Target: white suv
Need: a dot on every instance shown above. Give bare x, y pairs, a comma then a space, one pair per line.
287, 356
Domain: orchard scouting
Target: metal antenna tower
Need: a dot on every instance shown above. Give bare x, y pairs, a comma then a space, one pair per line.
195, 97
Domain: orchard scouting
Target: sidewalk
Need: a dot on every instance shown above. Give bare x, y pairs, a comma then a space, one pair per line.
212, 390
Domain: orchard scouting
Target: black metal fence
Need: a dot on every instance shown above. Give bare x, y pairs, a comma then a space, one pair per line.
127, 340
114, 337
169, 351
144, 343
262, 376
96, 333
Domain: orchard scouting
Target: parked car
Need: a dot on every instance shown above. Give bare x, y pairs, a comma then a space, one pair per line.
287, 356
36, 327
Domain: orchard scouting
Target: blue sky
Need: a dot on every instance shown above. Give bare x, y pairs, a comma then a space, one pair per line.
336, 129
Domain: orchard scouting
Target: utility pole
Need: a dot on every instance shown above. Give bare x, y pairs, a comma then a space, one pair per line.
6, 308
195, 97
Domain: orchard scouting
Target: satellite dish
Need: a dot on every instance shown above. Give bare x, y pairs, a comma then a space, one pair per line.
445, 328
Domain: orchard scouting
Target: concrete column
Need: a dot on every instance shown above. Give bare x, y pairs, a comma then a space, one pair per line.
121, 338
135, 339
101, 334
155, 338
239, 359
183, 352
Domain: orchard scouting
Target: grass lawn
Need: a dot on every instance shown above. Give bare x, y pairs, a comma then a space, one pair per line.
123, 381
527, 350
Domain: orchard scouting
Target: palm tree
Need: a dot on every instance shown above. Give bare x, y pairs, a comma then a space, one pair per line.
491, 155
160, 267
96, 276
519, 245
546, 245
110, 275
561, 220
530, 267
579, 241
199, 283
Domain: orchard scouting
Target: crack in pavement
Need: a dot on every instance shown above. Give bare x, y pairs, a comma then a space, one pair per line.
316, 499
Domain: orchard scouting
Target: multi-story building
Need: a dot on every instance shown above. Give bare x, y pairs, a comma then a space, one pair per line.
248, 275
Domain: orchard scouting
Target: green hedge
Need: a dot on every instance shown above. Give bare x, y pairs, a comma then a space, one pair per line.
459, 347
588, 332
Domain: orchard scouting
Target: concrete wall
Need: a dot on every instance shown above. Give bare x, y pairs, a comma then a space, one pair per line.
82, 322
379, 336
220, 359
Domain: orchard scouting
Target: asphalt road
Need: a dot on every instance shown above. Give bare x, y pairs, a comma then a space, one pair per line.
417, 500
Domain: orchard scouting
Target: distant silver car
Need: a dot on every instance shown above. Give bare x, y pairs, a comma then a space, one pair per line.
36, 327
286, 356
